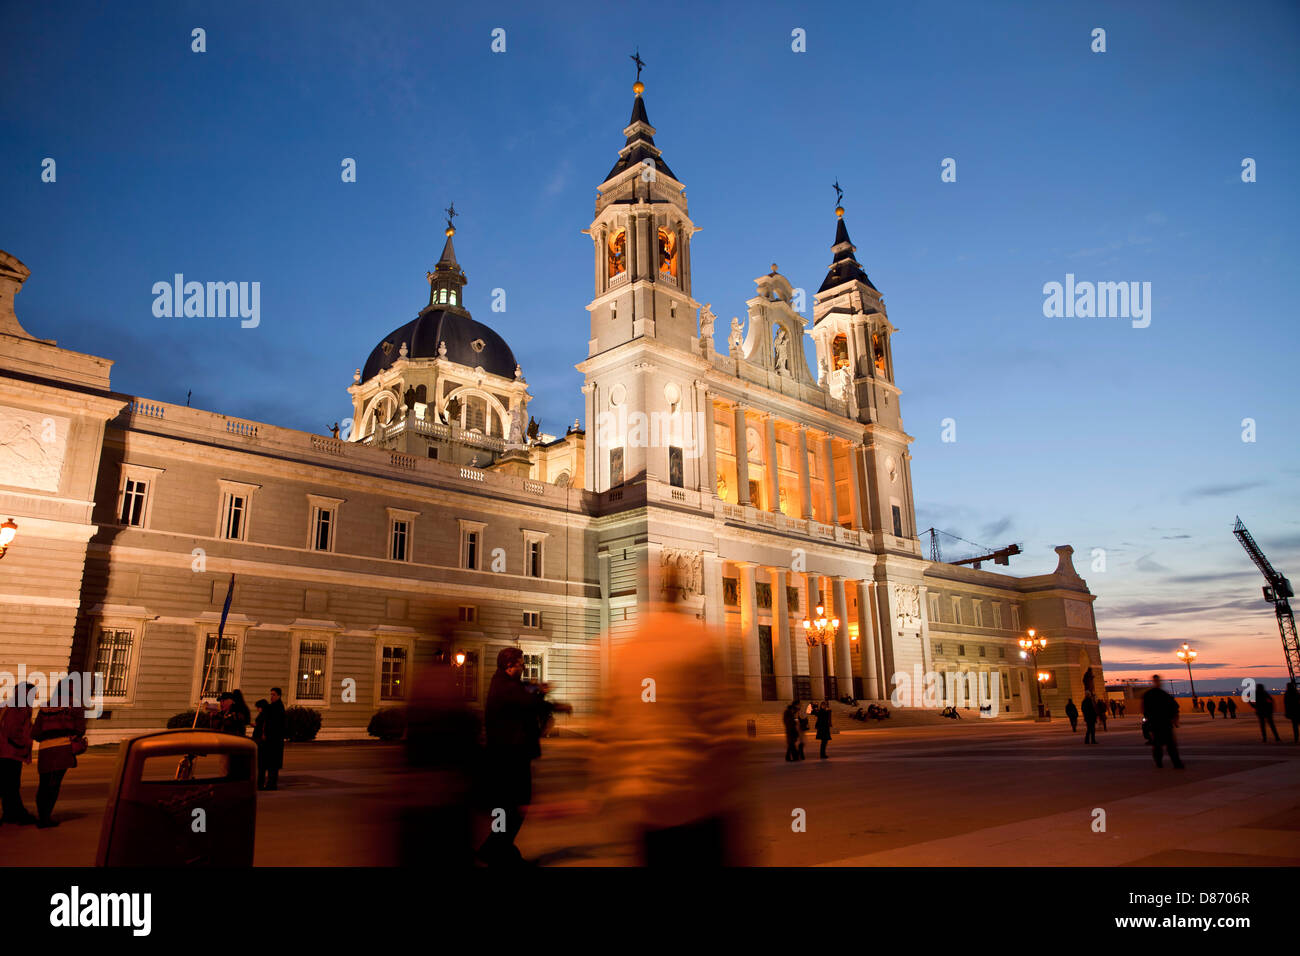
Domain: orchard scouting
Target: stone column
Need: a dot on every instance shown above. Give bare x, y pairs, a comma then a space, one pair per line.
595, 451
714, 613
855, 488
828, 446
707, 443
782, 649
805, 482
773, 472
749, 631
867, 638
843, 653
742, 455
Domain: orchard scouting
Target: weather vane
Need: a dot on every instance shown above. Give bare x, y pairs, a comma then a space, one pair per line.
839, 194
636, 58
451, 214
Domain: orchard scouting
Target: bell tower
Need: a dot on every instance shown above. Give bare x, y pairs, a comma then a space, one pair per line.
855, 360
643, 373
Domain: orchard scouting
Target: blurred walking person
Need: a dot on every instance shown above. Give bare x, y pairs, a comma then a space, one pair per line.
61, 731
1161, 713
670, 749
514, 718
1264, 712
824, 726
1291, 708
1072, 714
1209, 706
790, 720
15, 750
1231, 704
1089, 720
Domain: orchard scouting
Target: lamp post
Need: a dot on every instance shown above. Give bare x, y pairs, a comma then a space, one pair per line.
8, 529
1029, 648
1187, 655
818, 633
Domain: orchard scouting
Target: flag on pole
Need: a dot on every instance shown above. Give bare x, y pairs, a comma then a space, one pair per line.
186, 767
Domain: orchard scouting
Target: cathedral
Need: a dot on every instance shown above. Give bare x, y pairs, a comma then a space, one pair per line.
440, 525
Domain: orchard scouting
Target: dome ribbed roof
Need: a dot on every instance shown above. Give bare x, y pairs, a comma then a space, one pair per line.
468, 342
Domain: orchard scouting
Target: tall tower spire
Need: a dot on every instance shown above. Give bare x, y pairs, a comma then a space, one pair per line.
447, 278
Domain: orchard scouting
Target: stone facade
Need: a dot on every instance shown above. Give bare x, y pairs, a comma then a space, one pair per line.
438, 524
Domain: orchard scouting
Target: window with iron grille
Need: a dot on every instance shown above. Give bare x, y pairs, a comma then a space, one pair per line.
113, 659
133, 497
311, 669
218, 665
533, 668
392, 675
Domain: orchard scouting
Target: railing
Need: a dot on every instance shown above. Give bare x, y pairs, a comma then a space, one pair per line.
331, 446
246, 429
401, 461
534, 487
471, 474
147, 409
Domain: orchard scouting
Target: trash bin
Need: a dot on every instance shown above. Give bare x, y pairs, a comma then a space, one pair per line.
152, 819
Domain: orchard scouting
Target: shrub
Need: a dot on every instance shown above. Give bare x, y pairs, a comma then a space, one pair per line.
301, 724
181, 721
388, 723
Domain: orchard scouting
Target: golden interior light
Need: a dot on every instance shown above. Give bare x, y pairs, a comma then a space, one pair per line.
7, 532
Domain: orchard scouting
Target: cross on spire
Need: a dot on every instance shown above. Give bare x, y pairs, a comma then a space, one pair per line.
640, 63
839, 193
451, 214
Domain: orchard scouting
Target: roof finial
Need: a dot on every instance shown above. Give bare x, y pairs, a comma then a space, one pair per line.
638, 87
451, 214
839, 196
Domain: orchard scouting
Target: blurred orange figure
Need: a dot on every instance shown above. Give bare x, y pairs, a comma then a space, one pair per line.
669, 749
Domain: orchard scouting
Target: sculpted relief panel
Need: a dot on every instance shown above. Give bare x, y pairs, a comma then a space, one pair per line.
32, 448
1076, 615
907, 604
682, 571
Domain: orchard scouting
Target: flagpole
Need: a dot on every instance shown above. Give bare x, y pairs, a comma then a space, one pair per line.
186, 767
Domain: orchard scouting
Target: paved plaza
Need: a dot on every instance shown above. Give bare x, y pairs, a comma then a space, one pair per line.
967, 794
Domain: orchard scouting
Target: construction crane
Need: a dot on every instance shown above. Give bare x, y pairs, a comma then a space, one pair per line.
1276, 592
1000, 556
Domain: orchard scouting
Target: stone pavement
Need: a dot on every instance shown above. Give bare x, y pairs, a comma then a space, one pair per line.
967, 794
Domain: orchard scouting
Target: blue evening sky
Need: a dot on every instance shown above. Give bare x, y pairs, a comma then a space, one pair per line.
1115, 166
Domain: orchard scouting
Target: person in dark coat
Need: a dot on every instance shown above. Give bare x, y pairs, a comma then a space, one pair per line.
514, 718
1072, 714
228, 718
1089, 720
270, 749
15, 750
790, 720
1291, 708
824, 725
1161, 713
1232, 706
1100, 705
1209, 707
1264, 711
61, 731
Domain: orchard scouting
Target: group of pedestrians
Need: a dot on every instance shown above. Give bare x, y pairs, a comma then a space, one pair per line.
795, 724
1225, 706
60, 729
1264, 708
230, 715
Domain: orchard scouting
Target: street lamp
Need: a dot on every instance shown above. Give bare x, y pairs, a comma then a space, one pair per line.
1187, 655
8, 529
820, 630
1029, 648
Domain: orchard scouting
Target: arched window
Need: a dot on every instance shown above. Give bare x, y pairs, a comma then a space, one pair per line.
452, 297
840, 352
475, 413
668, 251
617, 253
442, 296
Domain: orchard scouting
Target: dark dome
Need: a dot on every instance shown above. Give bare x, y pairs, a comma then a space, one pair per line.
452, 326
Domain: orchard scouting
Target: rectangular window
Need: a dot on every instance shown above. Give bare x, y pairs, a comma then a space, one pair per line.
675, 474
469, 556
533, 559
997, 614
322, 535
961, 650
311, 669
934, 608
398, 538
1015, 617
979, 613
113, 659
133, 498
218, 666
956, 610
898, 521
938, 648
1002, 652
468, 614
433, 451
615, 467
533, 668
981, 650
731, 592
392, 674
1006, 687
234, 516
532, 619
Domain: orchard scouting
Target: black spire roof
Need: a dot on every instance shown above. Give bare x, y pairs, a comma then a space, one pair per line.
640, 144
844, 267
